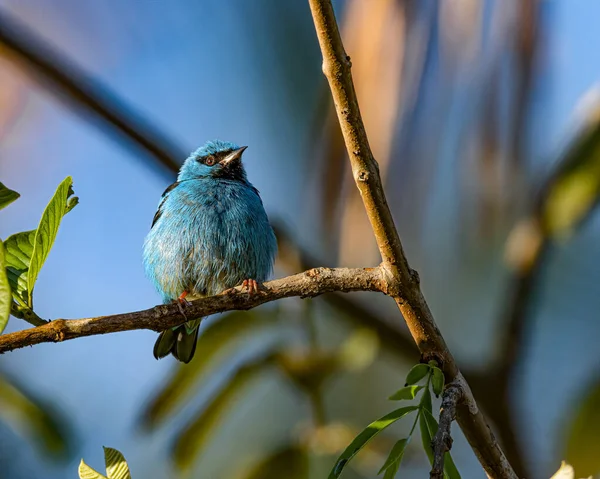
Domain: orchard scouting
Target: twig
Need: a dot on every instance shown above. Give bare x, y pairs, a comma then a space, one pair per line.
442, 442
403, 281
309, 284
27, 50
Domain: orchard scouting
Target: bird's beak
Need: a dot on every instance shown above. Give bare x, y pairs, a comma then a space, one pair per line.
235, 155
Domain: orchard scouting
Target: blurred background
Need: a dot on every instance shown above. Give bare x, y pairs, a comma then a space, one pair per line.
484, 119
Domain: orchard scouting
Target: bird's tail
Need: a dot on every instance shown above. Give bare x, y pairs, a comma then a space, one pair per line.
179, 341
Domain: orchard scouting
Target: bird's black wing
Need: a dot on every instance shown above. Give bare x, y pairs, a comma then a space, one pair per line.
164, 197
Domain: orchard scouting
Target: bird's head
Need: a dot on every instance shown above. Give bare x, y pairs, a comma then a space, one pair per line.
216, 159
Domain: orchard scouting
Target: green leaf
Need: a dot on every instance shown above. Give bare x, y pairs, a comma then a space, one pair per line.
86, 472
425, 402
191, 440
450, 468
216, 341
395, 457
426, 434
5, 293
7, 196
583, 439
429, 426
418, 372
19, 248
26, 252
365, 436
437, 381
34, 419
391, 471
406, 393
60, 204
116, 465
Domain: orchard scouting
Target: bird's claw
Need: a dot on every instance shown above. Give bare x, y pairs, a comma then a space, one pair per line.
181, 302
180, 306
251, 285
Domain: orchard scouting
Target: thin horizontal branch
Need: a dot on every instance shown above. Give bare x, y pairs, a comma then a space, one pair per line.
309, 284
442, 441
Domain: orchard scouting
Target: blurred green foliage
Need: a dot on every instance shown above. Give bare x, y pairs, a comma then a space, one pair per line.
306, 367
35, 419
582, 435
291, 462
574, 189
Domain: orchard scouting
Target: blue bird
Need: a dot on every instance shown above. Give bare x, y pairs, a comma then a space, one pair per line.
210, 233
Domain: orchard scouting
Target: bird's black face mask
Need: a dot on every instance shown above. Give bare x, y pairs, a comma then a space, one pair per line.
227, 165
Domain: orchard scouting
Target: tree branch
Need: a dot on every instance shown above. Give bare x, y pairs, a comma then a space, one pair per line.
311, 283
403, 281
442, 442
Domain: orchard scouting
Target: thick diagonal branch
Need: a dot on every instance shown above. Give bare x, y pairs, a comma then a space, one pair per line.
309, 284
442, 442
410, 300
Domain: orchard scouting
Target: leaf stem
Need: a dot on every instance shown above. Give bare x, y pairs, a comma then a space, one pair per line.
22, 311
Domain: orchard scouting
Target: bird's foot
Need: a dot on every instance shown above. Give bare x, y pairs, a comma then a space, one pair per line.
251, 285
181, 302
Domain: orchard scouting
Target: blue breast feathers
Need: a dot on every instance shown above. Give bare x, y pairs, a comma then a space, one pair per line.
208, 235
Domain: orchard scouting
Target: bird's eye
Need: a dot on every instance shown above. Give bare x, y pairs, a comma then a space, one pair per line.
209, 161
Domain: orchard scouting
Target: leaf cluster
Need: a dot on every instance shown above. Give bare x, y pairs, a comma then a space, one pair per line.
23, 254
433, 379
